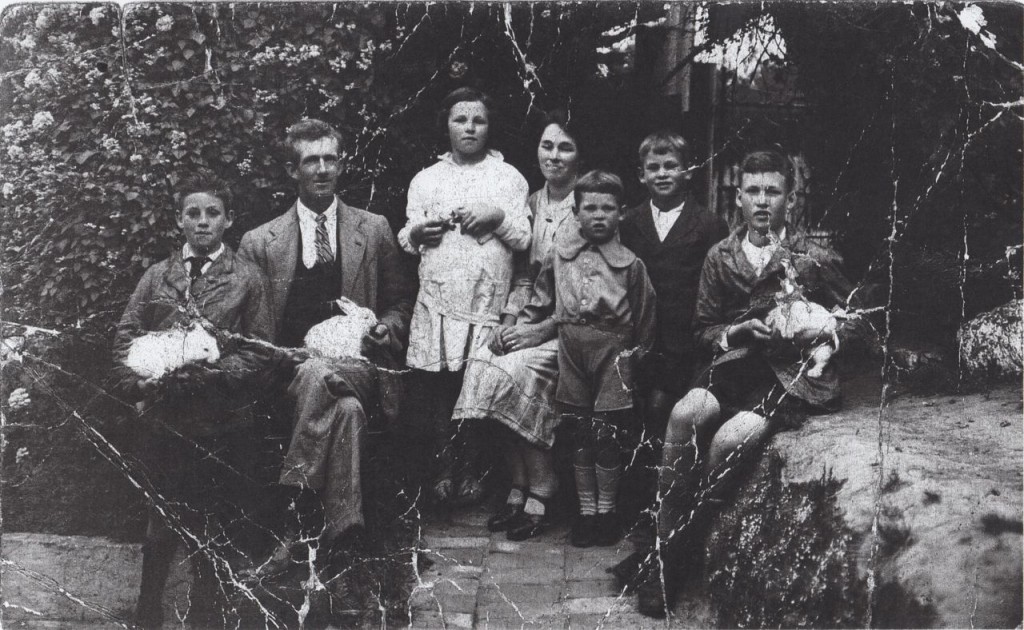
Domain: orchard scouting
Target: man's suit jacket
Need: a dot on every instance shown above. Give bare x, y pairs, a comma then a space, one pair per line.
673, 265
373, 271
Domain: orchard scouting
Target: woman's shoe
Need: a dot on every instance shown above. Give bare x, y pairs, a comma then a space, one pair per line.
529, 525
508, 514
583, 531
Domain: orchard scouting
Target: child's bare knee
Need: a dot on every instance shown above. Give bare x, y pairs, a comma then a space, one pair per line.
698, 408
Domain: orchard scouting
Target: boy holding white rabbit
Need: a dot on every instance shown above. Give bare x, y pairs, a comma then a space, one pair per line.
762, 318
195, 407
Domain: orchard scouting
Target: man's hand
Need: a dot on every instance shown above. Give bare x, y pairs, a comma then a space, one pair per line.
746, 332
480, 218
146, 386
376, 342
188, 380
427, 234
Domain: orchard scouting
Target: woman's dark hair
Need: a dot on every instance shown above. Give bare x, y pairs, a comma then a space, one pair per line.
202, 180
599, 181
467, 95
571, 127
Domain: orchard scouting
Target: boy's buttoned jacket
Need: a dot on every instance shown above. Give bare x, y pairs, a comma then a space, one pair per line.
232, 296
605, 286
673, 265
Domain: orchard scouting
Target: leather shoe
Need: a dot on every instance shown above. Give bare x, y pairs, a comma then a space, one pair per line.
506, 515
607, 531
527, 526
583, 531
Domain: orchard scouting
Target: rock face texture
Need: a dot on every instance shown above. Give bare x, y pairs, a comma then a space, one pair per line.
899, 515
991, 343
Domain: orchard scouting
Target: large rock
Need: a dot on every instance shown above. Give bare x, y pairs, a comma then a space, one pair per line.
899, 515
991, 343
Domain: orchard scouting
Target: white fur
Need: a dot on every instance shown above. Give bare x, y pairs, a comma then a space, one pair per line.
158, 353
341, 335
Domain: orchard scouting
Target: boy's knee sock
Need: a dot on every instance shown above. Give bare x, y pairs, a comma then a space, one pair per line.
607, 487
678, 479
586, 489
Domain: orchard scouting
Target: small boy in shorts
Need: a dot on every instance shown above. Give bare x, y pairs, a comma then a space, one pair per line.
599, 294
196, 427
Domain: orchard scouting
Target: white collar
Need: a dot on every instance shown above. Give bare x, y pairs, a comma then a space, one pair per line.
305, 213
186, 252
781, 235
675, 210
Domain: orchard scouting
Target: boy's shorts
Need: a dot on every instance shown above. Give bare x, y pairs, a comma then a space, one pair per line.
750, 384
593, 370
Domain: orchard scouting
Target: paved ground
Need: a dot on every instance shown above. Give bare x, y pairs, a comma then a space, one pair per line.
481, 580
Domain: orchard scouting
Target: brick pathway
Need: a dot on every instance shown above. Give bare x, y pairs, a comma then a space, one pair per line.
481, 580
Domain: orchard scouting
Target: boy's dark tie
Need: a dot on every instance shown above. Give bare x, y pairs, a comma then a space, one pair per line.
323, 241
195, 266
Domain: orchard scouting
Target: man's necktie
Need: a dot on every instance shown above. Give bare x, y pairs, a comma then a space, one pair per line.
323, 241
195, 266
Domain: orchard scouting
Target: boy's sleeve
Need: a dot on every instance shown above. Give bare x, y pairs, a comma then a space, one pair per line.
130, 326
709, 323
642, 301
834, 289
542, 300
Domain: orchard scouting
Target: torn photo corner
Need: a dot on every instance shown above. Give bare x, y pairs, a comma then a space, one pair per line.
807, 215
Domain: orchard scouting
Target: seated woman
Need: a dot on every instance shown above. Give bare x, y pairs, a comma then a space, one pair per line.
517, 389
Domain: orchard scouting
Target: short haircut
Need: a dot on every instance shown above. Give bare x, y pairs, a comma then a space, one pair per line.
308, 130
598, 181
767, 161
202, 180
663, 142
466, 95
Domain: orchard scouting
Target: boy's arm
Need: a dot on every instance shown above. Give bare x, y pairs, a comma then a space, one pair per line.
709, 323
130, 326
642, 300
542, 301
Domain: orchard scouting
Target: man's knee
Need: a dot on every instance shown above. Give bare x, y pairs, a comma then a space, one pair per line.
691, 415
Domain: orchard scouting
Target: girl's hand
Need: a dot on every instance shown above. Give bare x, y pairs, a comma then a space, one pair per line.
427, 234
480, 218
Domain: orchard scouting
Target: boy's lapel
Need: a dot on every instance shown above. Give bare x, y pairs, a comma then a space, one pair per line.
177, 276
684, 223
352, 243
645, 223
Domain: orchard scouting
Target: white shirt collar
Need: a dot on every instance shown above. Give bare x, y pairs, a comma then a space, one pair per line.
331, 212
758, 257
186, 252
307, 230
663, 221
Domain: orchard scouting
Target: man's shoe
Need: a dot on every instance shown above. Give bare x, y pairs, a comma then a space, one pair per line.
608, 530
509, 513
584, 531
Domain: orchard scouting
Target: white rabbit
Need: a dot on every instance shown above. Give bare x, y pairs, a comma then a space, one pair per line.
341, 335
155, 354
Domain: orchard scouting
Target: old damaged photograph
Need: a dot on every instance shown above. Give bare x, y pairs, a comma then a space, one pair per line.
511, 315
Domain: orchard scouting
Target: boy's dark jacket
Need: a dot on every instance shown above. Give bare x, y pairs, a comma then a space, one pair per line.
673, 266
232, 296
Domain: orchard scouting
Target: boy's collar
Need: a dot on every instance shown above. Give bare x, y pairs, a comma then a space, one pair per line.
614, 252
186, 252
